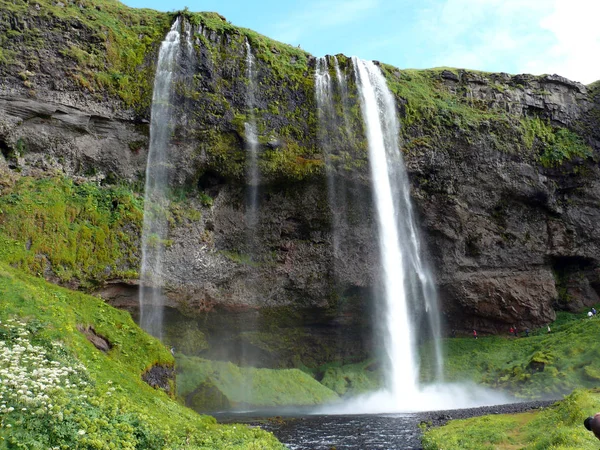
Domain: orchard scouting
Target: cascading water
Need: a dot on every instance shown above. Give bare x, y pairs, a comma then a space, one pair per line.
156, 201
343, 86
327, 122
252, 174
407, 288
328, 135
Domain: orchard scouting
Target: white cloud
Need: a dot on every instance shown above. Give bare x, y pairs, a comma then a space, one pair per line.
537, 36
576, 53
320, 15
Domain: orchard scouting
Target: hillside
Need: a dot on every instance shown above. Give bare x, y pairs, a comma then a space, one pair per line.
58, 390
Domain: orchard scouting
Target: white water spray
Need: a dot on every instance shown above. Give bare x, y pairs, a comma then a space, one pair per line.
155, 226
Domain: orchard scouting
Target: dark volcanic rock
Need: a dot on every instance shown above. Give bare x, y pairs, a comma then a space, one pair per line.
100, 342
160, 377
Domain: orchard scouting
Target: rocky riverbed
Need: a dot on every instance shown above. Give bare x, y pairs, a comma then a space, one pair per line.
439, 418
362, 431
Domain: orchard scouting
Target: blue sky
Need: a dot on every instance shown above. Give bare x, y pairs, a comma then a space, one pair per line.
514, 36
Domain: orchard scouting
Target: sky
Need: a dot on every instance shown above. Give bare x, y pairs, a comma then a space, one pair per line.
513, 36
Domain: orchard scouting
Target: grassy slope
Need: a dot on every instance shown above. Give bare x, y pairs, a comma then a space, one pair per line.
74, 232
540, 365
559, 427
119, 407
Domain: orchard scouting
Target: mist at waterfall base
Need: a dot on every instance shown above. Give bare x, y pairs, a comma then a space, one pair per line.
431, 397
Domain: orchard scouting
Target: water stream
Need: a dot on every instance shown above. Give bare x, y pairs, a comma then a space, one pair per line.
407, 288
156, 200
252, 173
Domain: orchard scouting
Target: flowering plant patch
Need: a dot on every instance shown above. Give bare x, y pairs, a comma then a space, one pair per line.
47, 399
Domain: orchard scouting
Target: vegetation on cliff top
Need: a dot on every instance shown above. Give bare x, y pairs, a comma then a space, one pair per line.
107, 45
114, 54
59, 390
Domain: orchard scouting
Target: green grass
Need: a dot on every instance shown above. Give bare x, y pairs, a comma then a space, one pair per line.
200, 380
105, 403
538, 366
427, 99
559, 427
74, 232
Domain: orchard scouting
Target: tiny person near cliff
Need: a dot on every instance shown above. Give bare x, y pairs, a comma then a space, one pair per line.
475, 334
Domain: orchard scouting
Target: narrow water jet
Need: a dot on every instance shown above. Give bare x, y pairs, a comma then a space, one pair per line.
156, 202
252, 173
328, 134
407, 286
343, 88
188, 31
252, 216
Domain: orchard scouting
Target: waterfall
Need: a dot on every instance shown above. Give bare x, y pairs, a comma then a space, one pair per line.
156, 201
407, 287
188, 31
343, 86
252, 174
328, 135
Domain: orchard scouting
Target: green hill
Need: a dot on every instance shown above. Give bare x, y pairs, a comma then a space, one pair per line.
58, 390
541, 365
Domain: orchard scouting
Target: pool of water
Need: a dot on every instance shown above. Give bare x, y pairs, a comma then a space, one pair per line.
350, 432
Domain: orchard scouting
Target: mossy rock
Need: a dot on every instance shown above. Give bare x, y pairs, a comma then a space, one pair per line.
197, 380
207, 397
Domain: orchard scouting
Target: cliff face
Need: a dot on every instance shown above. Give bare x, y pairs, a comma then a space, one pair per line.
503, 172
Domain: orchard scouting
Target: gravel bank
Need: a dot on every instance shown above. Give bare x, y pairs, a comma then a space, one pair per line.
438, 418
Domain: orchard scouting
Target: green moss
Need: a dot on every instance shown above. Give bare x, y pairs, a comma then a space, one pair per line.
286, 60
290, 162
118, 407
115, 59
76, 231
558, 145
428, 100
238, 386
240, 258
